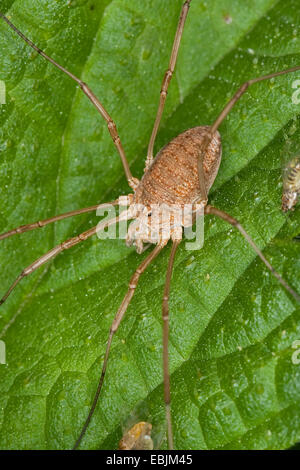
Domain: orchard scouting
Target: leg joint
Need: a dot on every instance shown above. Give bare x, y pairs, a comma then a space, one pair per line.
84, 86
134, 280
68, 243
132, 286
243, 88
166, 81
113, 131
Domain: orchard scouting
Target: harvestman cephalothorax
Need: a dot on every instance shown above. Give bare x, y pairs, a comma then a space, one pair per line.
181, 173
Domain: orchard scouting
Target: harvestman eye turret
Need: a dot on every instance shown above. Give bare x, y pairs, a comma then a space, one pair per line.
182, 173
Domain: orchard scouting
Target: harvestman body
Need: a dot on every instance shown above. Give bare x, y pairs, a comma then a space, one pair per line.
137, 438
182, 173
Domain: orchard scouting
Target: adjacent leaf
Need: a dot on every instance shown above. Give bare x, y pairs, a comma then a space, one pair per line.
234, 384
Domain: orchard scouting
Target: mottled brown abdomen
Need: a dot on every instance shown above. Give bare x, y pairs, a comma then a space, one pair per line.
173, 176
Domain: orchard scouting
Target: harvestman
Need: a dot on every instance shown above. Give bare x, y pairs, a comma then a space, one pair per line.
181, 173
291, 184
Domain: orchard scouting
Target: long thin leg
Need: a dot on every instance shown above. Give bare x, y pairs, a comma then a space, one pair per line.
42, 223
166, 81
224, 113
235, 223
165, 317
114, 327
110, 123
58, 249
242, 90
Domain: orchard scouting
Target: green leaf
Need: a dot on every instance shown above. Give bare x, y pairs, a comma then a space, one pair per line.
234, 384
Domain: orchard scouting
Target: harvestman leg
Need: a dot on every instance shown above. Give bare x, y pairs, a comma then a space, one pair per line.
163, 96
242, 90
114, 327
165, 317
59, 248
235, 223
224, 113
110, 123
166, 81
42, 223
